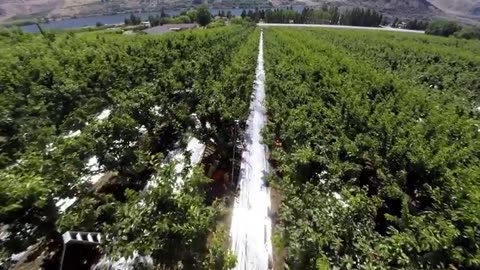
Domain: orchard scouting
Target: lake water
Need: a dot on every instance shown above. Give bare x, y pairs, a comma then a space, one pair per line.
113, 19
86, 21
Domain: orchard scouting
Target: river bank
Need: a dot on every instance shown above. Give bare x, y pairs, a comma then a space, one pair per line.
29, 26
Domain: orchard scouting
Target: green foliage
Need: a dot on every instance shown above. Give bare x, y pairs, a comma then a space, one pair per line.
472, 32
180, 19
171, 225
377, 165
133, 20
152, 87
203, 15
243, 14
239, 21
442, 28
192, 14
416, 25
219, 256
26, 207
87, 214
217, 23
426, 60
158, 20
325, 15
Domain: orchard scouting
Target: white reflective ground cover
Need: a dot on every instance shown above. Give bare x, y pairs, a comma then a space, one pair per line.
251, 226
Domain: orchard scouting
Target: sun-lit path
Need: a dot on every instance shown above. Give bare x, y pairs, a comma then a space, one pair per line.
251, 224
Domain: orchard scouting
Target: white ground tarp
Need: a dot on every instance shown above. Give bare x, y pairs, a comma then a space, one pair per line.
196, 149
251, 226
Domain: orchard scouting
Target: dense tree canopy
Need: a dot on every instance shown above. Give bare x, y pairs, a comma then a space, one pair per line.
323, 15
203, 15
88, 104
376, 152
442, 28
373, 139
472, 32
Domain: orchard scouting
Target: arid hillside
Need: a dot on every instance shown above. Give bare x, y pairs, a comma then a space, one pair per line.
401, 8
464, 8
27, 9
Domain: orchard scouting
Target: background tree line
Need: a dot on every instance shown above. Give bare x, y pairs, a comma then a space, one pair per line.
325, 15
200, 15
449, 28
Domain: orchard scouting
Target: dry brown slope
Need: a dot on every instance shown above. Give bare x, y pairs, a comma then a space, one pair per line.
64, 8
24, 8
401, 8
458, 7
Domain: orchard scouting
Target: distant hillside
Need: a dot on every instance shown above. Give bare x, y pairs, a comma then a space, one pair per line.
467, 8
461, 9
400, 6
391, 7
22, 9
25, 9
